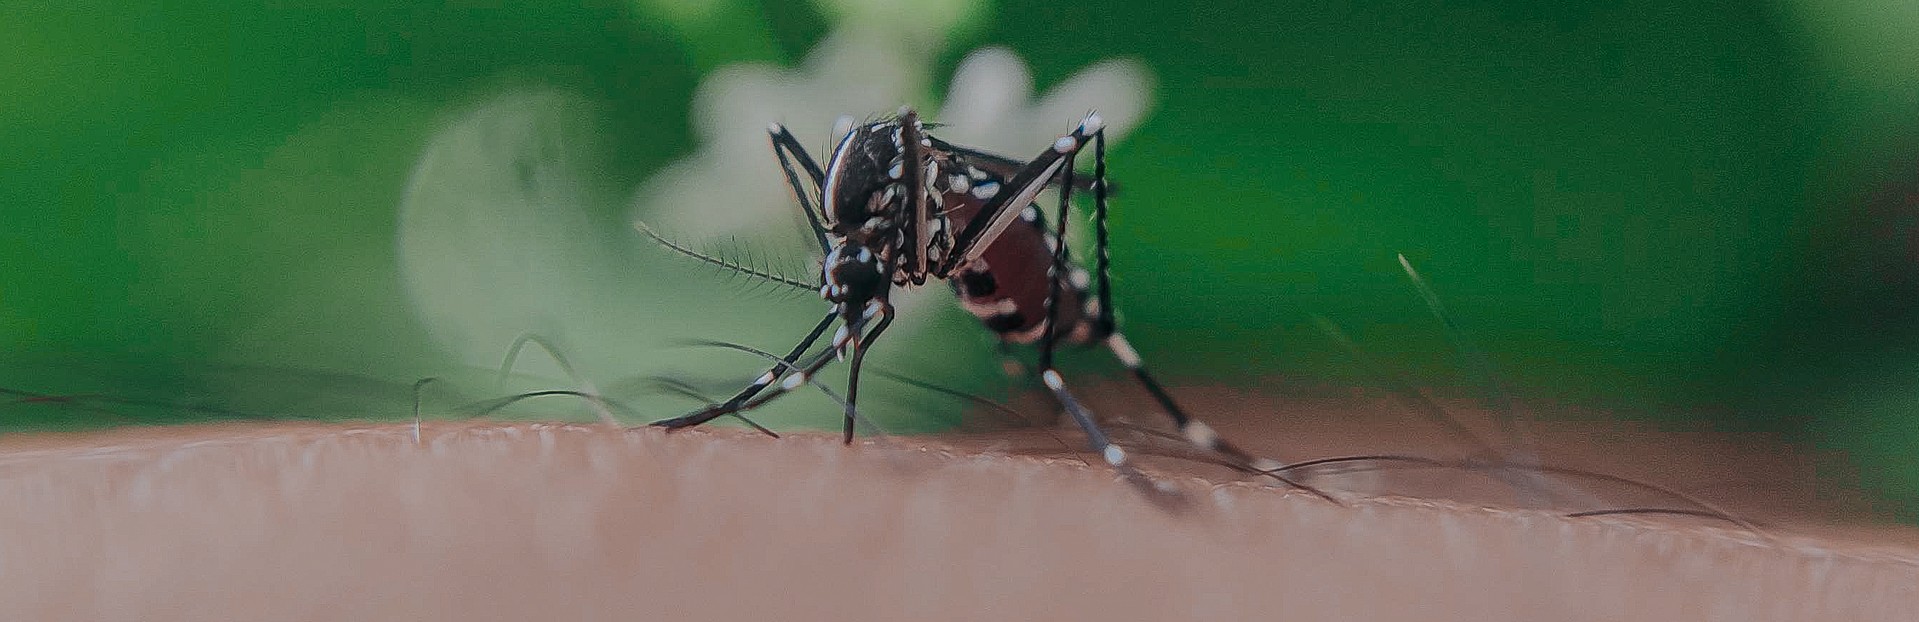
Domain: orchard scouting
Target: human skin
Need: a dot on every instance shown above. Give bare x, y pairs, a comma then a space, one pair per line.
491, 521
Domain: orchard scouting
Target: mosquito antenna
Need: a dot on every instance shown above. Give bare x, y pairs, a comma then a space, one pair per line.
512, 357
730, 266
761, 262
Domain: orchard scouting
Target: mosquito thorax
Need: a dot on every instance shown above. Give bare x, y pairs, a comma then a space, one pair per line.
865, 180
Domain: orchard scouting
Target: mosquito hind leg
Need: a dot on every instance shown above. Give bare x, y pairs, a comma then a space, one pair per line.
1194, 430
1058, 274
1096, 438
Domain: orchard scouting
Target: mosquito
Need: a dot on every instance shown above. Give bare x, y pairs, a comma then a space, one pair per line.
895, 207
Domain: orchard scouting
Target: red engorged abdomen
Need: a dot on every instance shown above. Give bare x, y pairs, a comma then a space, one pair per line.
1018, 262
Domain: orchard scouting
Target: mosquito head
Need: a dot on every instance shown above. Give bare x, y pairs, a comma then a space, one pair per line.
853, 275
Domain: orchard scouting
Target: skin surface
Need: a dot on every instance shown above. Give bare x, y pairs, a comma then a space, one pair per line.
488, 521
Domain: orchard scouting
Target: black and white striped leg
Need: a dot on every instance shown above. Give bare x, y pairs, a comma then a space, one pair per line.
739, 400
1195, 431
789, 150
798, 376
859, 347
1096, 437
1018, 192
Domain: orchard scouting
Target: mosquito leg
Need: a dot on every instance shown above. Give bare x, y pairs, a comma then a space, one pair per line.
760, 384
1096, 437
799, 377
785, 146
1195, 431
859, 347
1005, 207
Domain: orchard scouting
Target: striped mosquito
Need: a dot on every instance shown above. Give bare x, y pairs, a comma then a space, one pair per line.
895, 206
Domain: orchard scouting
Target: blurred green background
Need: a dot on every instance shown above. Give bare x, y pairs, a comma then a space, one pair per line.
1672, 209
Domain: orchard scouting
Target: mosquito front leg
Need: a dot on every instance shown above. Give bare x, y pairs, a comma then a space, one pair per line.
740, 400
859, 347
785, 146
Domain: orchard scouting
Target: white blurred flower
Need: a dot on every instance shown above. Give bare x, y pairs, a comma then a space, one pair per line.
989, 104
733, 185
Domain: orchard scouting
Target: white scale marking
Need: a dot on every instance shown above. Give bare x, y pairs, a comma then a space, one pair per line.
1123, 350
832, 189
1081, 280
1200, 434
1002, 306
